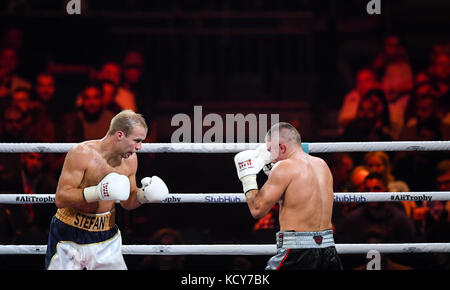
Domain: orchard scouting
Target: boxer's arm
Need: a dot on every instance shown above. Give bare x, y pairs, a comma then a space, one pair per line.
261, 201
68, 193
132, 201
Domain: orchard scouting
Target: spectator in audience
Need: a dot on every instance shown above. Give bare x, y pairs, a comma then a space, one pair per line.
425, 117
372, 121
436, 226
393, 51
164, 236
136, 79
21, 99
356, 184
69, 128
115, 94
438, 74
109, 94
9, 80
412, 209
31, 178
13, 129
399, 227
341, 164
133, 70
379, 162
417, 167
377, 235
437, 230
426, 88
93, 115
357, 177
438, 71
45, 91
35, 120
366, 80
398, 84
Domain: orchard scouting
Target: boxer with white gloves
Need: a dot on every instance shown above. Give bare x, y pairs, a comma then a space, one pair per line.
249, 163
153, 190
97, 173
302, 185
112, 187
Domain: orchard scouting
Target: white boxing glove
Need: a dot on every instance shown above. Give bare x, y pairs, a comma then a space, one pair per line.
248, 164
264, 154
153, 190
113, 186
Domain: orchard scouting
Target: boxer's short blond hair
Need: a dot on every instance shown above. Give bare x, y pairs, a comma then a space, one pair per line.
125, 121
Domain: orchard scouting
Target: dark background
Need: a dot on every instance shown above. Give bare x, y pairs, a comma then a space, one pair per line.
295, 58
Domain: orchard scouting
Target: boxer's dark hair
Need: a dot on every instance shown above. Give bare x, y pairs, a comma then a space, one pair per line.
125, 121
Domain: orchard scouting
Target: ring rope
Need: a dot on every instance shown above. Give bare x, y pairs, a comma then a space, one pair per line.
233, 249
357, 197
236, 147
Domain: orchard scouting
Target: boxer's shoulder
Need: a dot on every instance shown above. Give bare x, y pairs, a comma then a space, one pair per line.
87, 147
317, 161
300, 166
283, 170
81, 153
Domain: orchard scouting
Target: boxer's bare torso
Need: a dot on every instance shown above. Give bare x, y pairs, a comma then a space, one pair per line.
308, 200
303, 186
85, 165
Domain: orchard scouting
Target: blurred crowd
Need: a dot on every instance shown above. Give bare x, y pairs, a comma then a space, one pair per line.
389, 102
392, 102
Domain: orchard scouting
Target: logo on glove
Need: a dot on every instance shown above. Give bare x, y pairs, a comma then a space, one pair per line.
105, 189
245, 163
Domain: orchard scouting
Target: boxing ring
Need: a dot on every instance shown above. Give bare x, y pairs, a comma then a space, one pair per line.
244, 249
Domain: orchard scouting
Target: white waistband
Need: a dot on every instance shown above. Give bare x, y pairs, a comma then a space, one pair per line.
304, 240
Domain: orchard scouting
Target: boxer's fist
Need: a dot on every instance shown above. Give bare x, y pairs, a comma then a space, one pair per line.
112, 187
264, 154
248, 164
153, 190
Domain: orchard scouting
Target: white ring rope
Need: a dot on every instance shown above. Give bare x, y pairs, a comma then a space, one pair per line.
240, 197
233, 249
379, 146
236, 147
